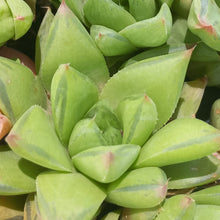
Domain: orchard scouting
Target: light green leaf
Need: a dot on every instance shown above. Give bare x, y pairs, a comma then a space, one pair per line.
161, 78
151, 32
72, 95
181, 140
203, 21
178, 207
192, 173
106, 163
138, 115
67, 196
140, 188
107, 13
17, 175
33, 137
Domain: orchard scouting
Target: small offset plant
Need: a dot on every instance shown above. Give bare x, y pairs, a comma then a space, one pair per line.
109, 127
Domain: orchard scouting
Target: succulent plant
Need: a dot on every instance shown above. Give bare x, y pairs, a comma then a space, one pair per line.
109, 126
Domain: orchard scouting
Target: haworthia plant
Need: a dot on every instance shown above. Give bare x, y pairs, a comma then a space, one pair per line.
179, 141
104, 163
58, 198
107, 13
68, 107
131, 189
110, 42
151, 32
145, 77
138, 115
193, 173
46, 151
17, 174
178, 207
203, 22
65, 33
19, 89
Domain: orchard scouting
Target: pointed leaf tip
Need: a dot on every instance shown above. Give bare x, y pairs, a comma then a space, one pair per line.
189, 51
63, 9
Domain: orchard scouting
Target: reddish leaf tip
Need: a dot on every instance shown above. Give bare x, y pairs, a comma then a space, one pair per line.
217, 111
67, 65
12, 139
146, 98
21, 18
108, 158
205, 26
63, 9
100, 35
185, 203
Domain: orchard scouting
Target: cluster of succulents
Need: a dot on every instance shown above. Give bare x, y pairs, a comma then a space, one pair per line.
107, 126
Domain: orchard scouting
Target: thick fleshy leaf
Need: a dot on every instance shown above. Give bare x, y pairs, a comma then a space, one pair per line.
107, 122
6, 23
215, 114
33, 137
151, 32
68, 41
209, 196
30, 209
142, 10
203, 21
67, 196
86, 134
145, 77
179, 141
106, 163
131, 189
138, 115
178, 207
22, 17
107, 13
11, 207
140, 214
72, 95
17, 175
110, 42
19, 89
193, 173
190, 98
204, 212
